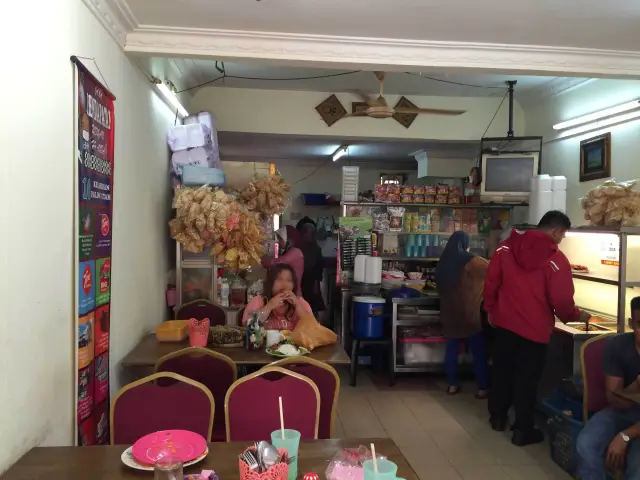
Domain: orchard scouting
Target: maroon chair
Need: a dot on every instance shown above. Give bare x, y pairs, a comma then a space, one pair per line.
594, 397
251, 405
328, 382
143, 407
212, 369
201, 309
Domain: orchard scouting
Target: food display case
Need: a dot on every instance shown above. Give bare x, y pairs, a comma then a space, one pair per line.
606, 275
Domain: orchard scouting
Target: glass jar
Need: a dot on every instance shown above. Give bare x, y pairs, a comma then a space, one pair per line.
238, 296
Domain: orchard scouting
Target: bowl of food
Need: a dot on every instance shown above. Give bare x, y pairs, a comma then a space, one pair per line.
227, 336
414, 275
286, 349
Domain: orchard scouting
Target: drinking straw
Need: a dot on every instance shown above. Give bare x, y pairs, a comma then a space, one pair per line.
281, 417
373, 458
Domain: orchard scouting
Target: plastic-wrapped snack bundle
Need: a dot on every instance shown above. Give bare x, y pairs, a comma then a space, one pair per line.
613, 204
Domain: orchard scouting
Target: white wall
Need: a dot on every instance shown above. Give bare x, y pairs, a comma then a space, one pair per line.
293, 112
562, 157
36, 228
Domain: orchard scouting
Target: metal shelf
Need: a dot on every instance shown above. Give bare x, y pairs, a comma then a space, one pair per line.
591, 229
424, 320
382, 232
590, 277
437, 205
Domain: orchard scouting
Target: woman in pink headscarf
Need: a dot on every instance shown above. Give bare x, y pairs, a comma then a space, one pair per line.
287, 254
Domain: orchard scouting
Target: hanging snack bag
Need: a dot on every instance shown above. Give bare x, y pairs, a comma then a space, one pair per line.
396, 215
442, 190
417, 198
418, 190
407, 189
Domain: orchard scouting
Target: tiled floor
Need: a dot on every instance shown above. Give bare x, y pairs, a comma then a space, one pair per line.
442, 437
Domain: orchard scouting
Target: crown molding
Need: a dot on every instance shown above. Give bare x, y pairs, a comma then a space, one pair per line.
361, 52
115, 16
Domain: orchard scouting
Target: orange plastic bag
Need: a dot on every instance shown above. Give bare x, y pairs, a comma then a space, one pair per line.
310, 334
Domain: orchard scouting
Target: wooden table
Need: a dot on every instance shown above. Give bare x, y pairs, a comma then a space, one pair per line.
95, 463
149, 351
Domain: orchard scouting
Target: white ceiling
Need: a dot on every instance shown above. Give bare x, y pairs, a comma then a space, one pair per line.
265, 147
566, 23
192, 72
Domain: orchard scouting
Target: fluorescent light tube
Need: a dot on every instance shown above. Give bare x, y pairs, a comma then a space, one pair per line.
172, 99
339, 153
607, 112
601, 124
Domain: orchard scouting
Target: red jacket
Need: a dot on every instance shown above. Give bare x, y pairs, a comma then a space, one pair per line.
528, 282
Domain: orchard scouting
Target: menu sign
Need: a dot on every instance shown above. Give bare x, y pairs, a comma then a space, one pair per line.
610, 251
94, 207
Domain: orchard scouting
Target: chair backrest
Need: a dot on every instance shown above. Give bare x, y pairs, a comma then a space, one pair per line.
212, 369
594, 397
328, 382
143, 407
201, 309
251, 405
240, 315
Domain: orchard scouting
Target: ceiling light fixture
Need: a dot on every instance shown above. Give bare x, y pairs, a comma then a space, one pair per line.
339, 153
591, 117
601, 124
170, 96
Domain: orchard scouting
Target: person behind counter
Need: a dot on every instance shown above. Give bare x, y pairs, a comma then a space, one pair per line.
459, 280
528, 284
279, 308
313, 267
287, 254
611, 438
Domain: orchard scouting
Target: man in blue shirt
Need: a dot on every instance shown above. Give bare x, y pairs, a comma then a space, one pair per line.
611, 438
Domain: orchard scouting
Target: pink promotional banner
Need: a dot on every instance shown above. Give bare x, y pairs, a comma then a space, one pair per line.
95, 123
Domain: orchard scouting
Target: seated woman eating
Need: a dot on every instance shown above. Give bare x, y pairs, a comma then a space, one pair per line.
279, 308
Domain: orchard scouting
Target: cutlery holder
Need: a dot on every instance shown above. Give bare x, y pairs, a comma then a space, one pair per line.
279, 471
198, 332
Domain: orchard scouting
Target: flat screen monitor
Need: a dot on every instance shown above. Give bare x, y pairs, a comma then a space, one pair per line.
507, 176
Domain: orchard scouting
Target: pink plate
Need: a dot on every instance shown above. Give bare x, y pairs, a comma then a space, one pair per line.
179, 443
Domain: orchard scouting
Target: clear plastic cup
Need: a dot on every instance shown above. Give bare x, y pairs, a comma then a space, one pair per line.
168, 468
386, 470
291, 443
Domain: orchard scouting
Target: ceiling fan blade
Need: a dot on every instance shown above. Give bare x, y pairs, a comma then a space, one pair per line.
363, 97
432, 111
361, 113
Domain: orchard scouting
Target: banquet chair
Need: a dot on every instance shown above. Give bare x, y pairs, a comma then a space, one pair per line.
594, 397
201, 309
251, 405
212, 369
328, 382
144, 407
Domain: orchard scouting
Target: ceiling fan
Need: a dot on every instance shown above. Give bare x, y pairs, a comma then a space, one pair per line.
378, 107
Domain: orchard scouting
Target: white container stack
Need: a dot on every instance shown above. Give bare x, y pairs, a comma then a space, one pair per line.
559, 189
350, 179
541, 197
373, 270
194, 143
359, 268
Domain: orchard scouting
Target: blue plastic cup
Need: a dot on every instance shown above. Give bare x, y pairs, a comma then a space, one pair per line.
387, 470
290, 443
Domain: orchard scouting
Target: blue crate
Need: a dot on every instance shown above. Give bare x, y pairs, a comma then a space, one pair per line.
564, 425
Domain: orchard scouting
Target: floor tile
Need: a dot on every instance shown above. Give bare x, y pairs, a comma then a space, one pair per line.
437, 473
473, 472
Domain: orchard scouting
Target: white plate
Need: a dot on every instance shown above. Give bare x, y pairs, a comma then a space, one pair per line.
301, 351
129, 460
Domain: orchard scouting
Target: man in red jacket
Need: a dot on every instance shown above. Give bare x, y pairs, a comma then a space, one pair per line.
528, 284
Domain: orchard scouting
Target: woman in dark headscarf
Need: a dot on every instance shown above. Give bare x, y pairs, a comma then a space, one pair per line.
313, 267
460, 281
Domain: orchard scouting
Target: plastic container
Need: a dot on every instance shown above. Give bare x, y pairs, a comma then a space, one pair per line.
423, 351
564, 425
368, 317
172, 331
224, 293
350, 181
196, 176
238, 295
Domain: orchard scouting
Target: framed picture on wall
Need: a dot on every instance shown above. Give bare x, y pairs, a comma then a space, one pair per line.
595, 158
